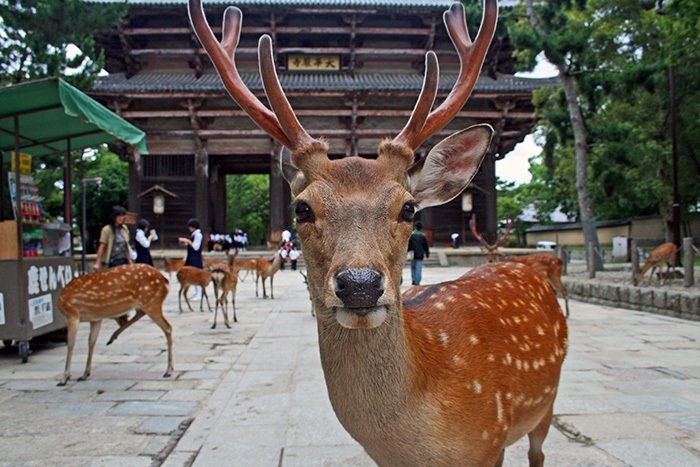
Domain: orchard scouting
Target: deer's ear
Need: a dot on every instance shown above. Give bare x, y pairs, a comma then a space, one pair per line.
291, 173
449, 167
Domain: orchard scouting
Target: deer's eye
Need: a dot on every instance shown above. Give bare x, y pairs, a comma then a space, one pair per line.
303, 212
408, 212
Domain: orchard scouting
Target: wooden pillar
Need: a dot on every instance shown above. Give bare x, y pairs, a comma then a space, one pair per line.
201, 182
217, 188
135, 185
280, 196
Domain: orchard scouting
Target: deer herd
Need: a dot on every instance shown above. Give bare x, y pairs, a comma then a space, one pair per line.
445, 374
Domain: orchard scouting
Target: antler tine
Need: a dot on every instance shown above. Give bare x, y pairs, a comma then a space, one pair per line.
472, 222
471, 59
298, 137
424, 104
508, 227
222, 55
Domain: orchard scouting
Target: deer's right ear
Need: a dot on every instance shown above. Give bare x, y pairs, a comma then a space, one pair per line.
291, 173
449, 167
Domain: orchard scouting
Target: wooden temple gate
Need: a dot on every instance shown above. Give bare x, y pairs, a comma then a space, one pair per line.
352, 72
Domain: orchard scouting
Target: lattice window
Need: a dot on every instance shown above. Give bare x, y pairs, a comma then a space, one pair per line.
168, 166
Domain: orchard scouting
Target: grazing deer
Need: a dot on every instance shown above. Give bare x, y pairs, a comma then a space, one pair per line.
247, 264
264, 268
172, 266
663, 254
111, 294
491, 250
188, 276
548, 265
462, 370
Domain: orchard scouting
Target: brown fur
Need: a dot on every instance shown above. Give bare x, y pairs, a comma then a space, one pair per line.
226, 280
188, 276
663, 254
550, 267
109, 294
267, 268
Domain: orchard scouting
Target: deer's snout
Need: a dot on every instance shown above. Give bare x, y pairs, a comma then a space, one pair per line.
359, 289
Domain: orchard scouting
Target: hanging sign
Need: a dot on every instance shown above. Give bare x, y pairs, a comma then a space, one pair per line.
302, 62
25, 163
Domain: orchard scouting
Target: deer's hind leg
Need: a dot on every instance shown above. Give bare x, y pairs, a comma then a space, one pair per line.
155, 311
537, 437
139, 314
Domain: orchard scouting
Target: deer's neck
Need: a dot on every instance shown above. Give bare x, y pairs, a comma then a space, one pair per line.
368, 376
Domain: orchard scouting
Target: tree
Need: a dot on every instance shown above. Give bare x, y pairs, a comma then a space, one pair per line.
35, 36
560, 29
248, 206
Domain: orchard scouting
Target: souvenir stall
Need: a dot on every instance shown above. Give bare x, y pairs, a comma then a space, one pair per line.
40, 118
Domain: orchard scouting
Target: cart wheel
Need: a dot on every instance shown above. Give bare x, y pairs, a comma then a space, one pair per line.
24, 351
7, 342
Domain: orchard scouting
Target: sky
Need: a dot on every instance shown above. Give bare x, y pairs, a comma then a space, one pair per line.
514, 167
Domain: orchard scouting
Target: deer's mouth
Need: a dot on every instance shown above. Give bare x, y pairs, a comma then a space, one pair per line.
361, 318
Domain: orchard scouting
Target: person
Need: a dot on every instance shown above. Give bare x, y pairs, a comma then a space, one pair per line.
144, 236
286, 236
418, 244
294, 255
455, 240
194, 249
113, 249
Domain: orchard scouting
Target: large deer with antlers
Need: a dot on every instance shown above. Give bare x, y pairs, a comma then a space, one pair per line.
464, 369
490, 249
547, 264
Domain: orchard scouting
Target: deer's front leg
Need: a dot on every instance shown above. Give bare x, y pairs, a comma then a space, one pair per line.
94, 332
72, 325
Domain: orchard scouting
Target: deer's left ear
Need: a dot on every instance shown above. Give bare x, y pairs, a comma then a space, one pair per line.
449, 167
291, 173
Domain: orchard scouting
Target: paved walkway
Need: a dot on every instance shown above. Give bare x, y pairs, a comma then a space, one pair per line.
255, 396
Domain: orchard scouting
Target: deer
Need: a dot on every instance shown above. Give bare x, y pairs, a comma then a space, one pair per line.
264, 268
247, 264
112, 293
490, 249
663, 254
173, 265
462, 370
188, 276
226, 279
547, 264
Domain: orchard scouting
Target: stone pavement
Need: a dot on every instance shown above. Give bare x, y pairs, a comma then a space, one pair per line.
255, 396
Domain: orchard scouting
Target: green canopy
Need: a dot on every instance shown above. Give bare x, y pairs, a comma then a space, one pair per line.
51, 112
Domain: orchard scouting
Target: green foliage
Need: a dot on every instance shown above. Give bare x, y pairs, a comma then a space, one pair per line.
248, 206
35, 34
619, 55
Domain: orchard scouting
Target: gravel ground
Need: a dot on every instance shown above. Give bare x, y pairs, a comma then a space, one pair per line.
621, 273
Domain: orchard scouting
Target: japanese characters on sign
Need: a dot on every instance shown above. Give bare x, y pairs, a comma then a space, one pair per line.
41, 311
47, 278
301, 62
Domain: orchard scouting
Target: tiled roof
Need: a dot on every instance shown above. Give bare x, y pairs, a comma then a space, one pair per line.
308, 3
210, 82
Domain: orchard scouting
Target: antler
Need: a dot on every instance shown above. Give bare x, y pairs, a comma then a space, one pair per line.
471, 59
222, 55
489, 246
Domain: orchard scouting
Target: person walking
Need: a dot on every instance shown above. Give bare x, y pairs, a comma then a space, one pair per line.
455, 240
144, 236
194, 249
418, 244
113, 249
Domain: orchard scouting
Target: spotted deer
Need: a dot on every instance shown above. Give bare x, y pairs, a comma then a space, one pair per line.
663, 254
462, 370
172, 265
112, 293
225, 278
490, 249
547, 264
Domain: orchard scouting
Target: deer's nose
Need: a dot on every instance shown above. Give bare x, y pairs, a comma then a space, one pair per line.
359, 288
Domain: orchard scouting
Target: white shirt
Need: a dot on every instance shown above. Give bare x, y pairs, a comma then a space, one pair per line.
197, 242
142, 239
294, 254
286, 235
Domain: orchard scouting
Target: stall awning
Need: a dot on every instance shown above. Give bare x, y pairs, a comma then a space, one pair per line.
51, 112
